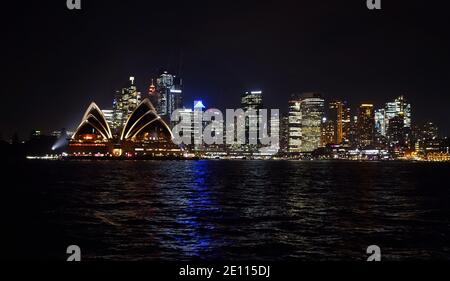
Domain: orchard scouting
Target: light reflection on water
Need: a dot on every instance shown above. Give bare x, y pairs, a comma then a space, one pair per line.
238, 210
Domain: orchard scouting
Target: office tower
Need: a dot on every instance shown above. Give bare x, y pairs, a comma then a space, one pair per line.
346, 122
312, 112
198, 126
396, 132
186, 126
380, 124
153, 95
328, 132
126, 100
168, 94
338, 120
380, 135
305, 122
284, 133
252, 101
295, 122
426, 137
335, 119
401, 109
395, 108
353, 131
365, 125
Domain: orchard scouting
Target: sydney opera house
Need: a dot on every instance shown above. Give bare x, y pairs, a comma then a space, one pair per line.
144, 135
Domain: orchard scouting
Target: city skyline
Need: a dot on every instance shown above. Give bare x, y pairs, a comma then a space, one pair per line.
384, 111
148, 125
225, 138
146, 92
84, 55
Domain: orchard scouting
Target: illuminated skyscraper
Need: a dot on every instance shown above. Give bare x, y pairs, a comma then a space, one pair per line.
328, 132
168, 94
395, 108
305, 122
295, 123
396, 132
125, 102
380, 124
339, 118
399, 109
284, 134
335, 117
346, 122
252, 101
366, 125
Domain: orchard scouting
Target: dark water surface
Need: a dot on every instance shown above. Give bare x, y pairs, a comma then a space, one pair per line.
225, 210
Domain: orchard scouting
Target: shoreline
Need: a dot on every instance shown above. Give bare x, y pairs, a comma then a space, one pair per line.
93, 158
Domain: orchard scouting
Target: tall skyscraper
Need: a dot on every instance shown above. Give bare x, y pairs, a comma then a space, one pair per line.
312, 110
284, 133
252, 101
365, 125
125, 101
398, 109
198, 127
339, 118
396, 132
305, 122
380, 123
395, 108
336, 117
191, 129
295, 124
328, 132
336, 127
168, 94
346, 122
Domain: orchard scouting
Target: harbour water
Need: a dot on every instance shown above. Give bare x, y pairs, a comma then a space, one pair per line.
226, 210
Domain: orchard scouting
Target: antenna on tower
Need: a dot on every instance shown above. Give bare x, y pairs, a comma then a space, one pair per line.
152, 88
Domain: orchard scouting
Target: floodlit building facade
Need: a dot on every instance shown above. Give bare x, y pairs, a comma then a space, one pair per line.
144, 134
305, 122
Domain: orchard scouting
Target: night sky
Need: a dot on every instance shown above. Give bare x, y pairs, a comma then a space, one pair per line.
56, 61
